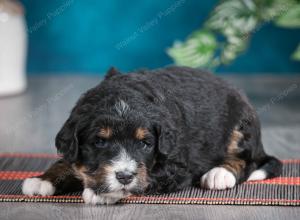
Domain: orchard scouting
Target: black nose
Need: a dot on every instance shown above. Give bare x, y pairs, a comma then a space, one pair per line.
124, 177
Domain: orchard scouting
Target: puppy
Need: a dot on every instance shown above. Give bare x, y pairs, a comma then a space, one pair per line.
156, 132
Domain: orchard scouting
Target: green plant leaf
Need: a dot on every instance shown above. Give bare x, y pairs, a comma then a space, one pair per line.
235, 20
290, 19
227, 32
270, 10
296, 54
233, 48
233, 17
197, 51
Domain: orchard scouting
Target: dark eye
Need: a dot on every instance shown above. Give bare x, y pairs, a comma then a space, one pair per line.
146, 144
100, 143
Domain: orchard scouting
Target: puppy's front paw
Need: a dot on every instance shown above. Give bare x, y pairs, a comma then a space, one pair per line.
218, 178
37, 186
90, 197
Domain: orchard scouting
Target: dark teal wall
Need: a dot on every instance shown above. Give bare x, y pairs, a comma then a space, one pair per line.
82, 36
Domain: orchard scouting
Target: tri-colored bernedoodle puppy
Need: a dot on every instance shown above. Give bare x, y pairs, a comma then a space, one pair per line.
156, 132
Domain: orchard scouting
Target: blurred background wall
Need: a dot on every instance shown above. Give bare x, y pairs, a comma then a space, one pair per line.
89, 36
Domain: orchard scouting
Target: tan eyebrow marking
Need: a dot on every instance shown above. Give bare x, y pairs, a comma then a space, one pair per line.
141, 133
105, 132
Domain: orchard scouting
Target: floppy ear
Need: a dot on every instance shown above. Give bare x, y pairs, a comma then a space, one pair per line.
166, 138
66, 141
112, 72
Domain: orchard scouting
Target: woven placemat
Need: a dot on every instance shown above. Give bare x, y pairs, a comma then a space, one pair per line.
284, 190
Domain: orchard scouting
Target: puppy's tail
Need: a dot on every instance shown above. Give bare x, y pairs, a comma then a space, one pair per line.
269, 167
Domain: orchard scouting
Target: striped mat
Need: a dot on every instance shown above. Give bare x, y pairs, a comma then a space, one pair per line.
284, 190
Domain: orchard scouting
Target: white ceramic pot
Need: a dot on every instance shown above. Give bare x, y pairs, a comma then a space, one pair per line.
13, 48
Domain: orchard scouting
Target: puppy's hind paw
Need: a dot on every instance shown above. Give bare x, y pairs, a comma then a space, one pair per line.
218, 178
37, 186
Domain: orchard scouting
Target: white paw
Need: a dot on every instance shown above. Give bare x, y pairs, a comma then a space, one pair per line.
218, 178
90, 197
37, 186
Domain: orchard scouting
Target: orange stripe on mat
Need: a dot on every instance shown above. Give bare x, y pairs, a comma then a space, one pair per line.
278, 181
292, 161
17, 175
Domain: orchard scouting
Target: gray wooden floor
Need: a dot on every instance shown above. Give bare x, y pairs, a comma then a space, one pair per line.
29, 122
